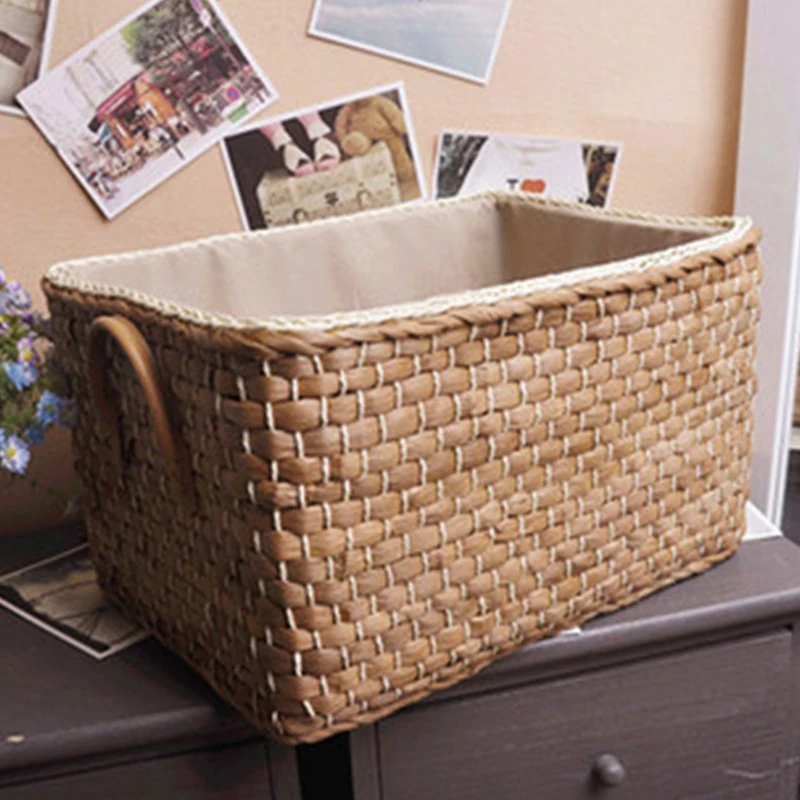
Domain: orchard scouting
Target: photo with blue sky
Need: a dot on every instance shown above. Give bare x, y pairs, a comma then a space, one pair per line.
455, 36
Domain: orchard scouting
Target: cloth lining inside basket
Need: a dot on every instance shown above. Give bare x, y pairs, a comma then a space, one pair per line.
386, 258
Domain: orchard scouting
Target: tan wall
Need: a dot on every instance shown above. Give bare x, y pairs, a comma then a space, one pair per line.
664, 78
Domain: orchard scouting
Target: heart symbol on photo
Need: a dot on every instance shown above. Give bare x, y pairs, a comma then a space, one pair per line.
534, 186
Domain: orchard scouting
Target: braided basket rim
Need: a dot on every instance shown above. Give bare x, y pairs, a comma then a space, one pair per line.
66, 274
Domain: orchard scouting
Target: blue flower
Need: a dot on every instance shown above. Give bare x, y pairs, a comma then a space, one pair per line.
29, 318
25, 352
21, 375
49, 409
17, 296
14, 454
35, 434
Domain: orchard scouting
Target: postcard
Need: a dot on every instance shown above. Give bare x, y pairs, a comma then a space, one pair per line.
26, 28
147, 97
565, 169
61, 596
339, 157
458, 37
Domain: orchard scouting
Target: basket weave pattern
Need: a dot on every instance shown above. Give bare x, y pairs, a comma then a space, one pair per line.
382, 511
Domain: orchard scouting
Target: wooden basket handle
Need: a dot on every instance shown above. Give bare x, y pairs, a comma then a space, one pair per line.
138, 353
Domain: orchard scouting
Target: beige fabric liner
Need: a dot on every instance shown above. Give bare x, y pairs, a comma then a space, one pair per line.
398, 262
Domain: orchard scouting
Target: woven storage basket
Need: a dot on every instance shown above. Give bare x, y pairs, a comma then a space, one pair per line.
332, 513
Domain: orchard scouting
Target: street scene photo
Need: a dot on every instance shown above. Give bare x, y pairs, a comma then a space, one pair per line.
146, 97
23, 27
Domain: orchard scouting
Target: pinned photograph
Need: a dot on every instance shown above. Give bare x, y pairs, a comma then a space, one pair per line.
565, 169
25, 32
338, 158
146, 98
61, 596
458, 37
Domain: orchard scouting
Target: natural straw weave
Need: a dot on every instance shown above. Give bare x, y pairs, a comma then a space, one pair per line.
382, 509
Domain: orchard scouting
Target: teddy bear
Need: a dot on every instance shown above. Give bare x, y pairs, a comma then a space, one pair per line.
362, 122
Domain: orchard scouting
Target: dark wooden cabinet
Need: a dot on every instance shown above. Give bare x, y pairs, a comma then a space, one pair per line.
227, 773
139, 725
691, 694
674, 724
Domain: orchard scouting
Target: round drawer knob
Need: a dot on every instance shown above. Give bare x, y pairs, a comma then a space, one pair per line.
608, 770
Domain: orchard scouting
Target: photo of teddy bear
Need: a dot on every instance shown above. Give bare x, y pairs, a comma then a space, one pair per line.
375, 119
350, 155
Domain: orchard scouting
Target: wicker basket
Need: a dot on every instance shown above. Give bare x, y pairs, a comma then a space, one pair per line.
333, 513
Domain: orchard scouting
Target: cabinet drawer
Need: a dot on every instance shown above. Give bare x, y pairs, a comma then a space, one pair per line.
232, 773
705, 723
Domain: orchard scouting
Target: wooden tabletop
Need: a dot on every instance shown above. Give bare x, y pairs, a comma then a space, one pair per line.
69, 707
63, 710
